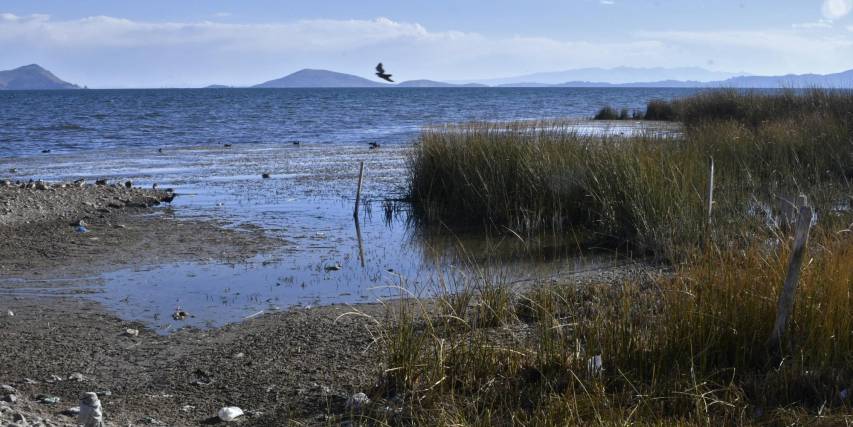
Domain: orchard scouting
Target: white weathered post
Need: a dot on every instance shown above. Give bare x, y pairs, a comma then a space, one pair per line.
786, 298
710, 191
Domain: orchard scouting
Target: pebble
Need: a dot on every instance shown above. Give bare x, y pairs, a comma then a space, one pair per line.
151, 420
6, 389
10, 398
71, 412
131, 332
76, 377
265, 175
11, 313
229, 413
18, 418
358, 401
180, 315
48, 400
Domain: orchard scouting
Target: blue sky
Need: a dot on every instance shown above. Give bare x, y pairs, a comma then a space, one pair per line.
156, 43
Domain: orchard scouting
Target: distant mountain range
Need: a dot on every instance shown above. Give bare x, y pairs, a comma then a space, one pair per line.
35, 77
324, 78
31, 77
618, 75
319, 78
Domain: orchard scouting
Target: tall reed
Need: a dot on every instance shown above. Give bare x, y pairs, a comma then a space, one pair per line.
646, 191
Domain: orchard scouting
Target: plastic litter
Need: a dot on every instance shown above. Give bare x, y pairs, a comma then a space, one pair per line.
594, 365
48, 400
82, 229
229, 413
90, 414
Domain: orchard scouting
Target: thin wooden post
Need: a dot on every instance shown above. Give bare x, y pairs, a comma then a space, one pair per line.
711, 191
360, 244
358, 191
786, 298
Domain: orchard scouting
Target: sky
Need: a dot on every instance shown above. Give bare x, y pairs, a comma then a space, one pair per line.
188, 43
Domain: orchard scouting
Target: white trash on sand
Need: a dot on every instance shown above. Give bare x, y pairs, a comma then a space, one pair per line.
90, 414
229, 413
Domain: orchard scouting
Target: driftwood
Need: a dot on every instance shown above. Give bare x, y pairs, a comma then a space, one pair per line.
786, 298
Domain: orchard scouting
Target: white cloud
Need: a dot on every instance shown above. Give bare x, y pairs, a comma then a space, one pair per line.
769, 51
820, 23
108, 51
608, 2
834, 9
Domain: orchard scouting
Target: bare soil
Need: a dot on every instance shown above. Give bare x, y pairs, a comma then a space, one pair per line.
292, 366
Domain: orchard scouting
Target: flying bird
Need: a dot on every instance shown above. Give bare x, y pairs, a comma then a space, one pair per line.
380, 71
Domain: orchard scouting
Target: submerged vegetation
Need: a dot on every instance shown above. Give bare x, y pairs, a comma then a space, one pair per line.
685, 343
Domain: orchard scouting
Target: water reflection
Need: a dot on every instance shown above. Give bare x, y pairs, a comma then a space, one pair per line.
325, 256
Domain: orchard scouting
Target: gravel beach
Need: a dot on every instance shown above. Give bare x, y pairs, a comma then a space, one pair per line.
296, 365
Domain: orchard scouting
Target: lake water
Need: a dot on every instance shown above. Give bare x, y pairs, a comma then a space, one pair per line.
308, 200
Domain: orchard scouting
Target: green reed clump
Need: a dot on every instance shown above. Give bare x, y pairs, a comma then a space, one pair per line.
682, 349
658, 109
647, 191
754, 107
607, 113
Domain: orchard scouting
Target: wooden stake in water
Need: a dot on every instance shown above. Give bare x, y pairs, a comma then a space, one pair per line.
358, 191
786, 298
711, 191
360, 244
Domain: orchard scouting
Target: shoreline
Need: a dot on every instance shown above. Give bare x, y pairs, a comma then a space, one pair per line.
295, 365
57, 335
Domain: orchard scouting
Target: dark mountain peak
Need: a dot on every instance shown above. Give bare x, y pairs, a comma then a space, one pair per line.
32, 77
31, 67
310, 77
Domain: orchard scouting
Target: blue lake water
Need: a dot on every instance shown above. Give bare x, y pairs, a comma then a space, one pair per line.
67, 121
307, 202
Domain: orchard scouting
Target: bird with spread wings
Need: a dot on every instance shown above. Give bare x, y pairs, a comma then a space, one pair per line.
380, 71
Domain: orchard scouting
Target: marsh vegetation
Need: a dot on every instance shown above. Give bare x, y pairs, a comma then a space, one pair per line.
687, 342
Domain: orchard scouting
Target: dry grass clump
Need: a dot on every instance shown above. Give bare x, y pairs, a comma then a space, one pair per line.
687, 349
